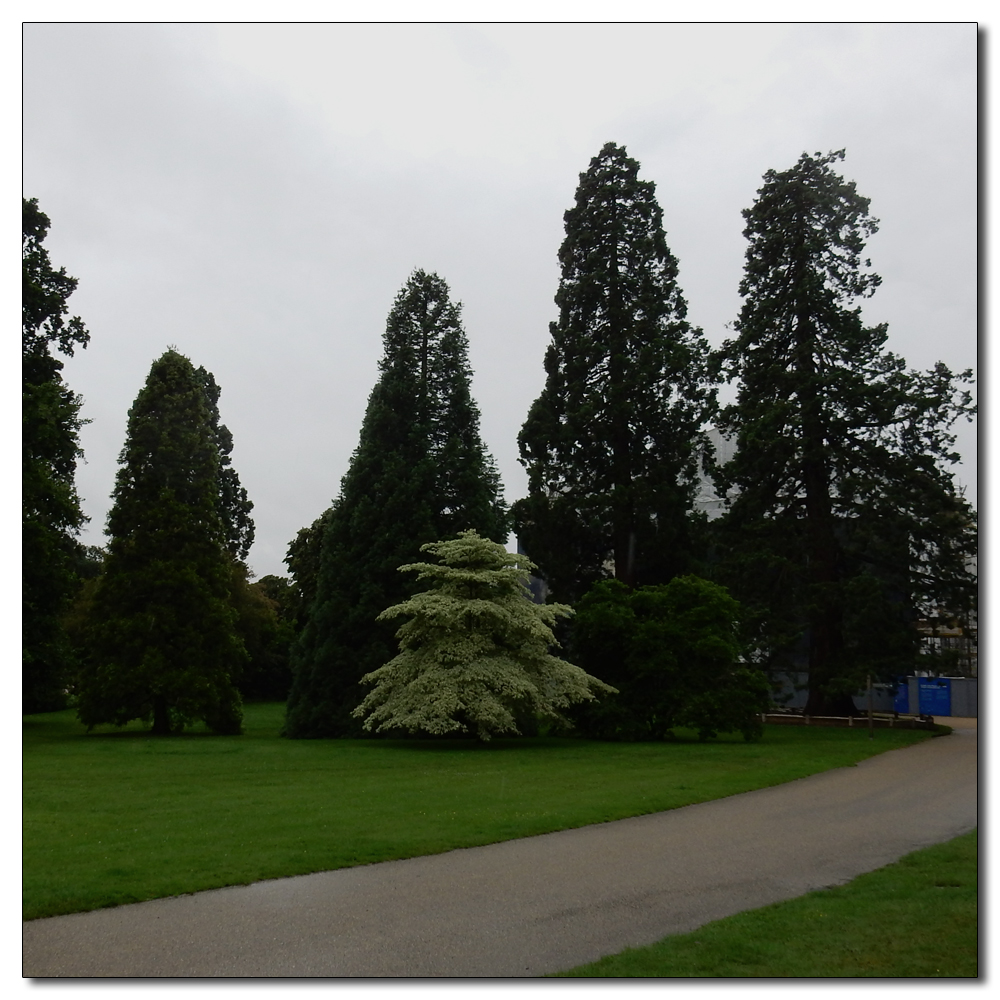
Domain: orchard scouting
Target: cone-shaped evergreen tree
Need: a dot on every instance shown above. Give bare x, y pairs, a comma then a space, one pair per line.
234, 504
50, 508
163, 645
475, 653
612, 444
844, 524
420, 472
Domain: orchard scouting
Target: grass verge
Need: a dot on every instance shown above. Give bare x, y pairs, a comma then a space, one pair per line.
117, 816
915, 918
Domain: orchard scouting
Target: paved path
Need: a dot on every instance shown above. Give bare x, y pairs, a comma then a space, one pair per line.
542, 904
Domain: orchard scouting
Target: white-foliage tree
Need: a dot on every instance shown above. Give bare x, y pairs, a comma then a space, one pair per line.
476, 651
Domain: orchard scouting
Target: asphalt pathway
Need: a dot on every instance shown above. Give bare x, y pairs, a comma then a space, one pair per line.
541, 904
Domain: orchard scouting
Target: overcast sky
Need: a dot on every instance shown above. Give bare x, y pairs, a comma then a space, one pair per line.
256, 195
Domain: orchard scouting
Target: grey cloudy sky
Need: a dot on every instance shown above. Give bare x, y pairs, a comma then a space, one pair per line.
257, 194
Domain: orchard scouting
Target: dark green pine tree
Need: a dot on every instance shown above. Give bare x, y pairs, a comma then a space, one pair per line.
612, 444
420, 473
50, 508
844, 523
255, 619
163, 644
234, 504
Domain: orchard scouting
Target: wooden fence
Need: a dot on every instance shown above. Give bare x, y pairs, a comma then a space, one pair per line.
880, 720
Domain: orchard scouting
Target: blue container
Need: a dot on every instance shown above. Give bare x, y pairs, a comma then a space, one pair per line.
901, 703
935, 695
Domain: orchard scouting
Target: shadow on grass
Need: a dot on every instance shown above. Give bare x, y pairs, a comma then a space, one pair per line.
438, 744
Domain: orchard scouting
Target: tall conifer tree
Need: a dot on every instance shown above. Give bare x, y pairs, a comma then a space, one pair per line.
612, 444
50, 507
420, 473
163, 640
234, 504
844, 523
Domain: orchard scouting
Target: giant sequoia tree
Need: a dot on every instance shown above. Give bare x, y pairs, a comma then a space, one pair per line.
420, 473
50, 508
234, 505
163, 643
844, 523
612, 444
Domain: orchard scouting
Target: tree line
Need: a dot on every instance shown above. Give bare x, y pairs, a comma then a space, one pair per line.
842, 525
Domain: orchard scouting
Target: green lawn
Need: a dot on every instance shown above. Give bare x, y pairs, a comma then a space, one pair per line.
915, 918
115, 816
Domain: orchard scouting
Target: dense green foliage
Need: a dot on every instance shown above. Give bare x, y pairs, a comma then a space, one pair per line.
673, 651
420, 473
163, 642
302, 561
50, 507
113, 817
234, 505
844, 524
475, 655
612, 444
266, 628
915, 919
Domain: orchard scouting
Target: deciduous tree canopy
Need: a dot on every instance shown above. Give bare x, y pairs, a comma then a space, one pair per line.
50, 507
674, 652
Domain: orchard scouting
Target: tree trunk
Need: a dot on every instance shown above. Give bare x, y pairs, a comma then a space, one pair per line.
826, 626
826, 632
161, 716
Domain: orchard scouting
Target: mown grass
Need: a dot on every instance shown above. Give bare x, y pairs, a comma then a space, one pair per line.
915, 918
118, 816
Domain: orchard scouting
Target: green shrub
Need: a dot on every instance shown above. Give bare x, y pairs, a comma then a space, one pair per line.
673, 652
